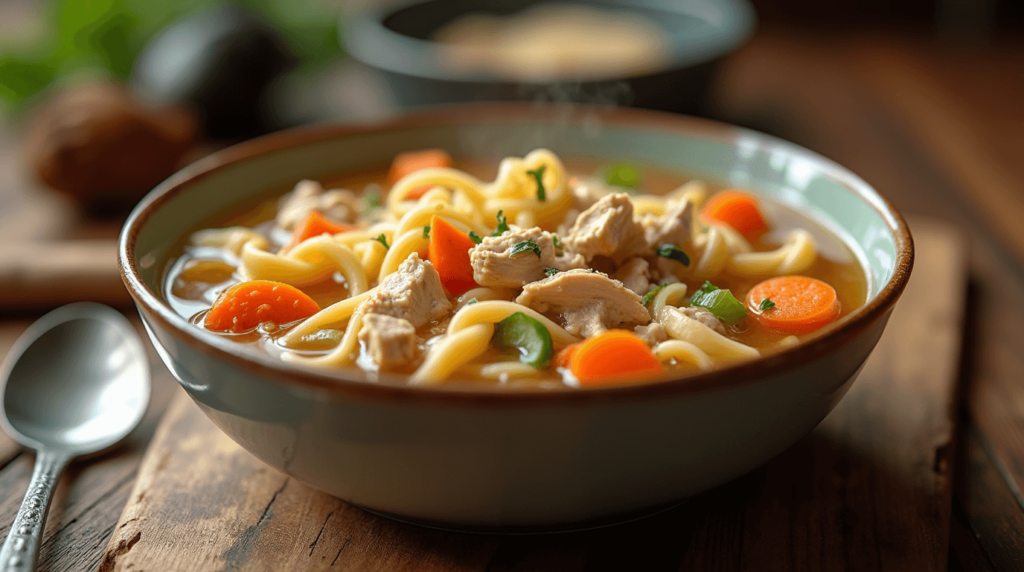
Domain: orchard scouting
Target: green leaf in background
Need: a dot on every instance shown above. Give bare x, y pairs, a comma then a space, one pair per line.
107, 36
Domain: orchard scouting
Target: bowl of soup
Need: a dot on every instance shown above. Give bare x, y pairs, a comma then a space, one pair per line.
505, 317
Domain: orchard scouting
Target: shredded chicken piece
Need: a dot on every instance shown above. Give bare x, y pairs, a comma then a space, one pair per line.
587, 302
704, 316
413, 293
653, 333
607, 229
390, 341
635, 274
494, 265
336, 204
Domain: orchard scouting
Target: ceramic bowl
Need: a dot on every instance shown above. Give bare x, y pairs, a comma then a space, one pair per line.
526, 460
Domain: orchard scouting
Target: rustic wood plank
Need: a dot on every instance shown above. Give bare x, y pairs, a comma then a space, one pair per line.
816, 93
868, 490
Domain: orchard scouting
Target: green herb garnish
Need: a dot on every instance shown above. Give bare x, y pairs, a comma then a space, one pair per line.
674, 253
426, 231
625, 176
475, 237
765, 305
550, 271
528, 336
537, 174
502, 224
471, 301
650, 295
556, 240
372, 198
383, 240
525, 246
721, 303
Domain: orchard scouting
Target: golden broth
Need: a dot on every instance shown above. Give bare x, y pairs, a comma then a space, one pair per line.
191, 292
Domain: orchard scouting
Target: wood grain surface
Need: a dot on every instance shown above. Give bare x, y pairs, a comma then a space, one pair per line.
868, 490
824, 93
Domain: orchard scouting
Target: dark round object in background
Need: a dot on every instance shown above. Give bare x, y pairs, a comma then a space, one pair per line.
397, 41
218, 61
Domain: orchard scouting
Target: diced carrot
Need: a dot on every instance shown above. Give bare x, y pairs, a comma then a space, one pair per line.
313, 225
612, 358
564, 357
449, 253
417, 192
247, 305
801, 304
412, 161
738, 210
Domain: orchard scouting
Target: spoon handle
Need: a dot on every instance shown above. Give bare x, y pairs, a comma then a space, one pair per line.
20, 551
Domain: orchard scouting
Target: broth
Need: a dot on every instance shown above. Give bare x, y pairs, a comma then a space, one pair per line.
198, 274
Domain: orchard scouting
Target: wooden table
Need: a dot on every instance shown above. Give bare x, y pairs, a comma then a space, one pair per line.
937, 131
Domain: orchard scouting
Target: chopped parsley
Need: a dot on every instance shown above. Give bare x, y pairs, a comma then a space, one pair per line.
383, 240
556, 240
426, 231
538, 173
502, 224
371, 196
550, 271
475, 237
471, 301
673, 252
525, 246
650, 295
765, 305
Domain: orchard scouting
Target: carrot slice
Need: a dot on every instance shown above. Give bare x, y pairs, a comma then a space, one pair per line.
613, 357
802, 304
313, 225
417, 192
449, 253
412, 161
247, 305
564, 357
738, 210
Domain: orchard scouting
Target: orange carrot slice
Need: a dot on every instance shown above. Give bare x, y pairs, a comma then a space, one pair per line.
738, 210
449, 253
612, 358
313, 225
412, 161
802, 304
564, 357
247, 305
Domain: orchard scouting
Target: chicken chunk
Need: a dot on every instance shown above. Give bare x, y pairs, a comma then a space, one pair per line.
607, 229
412, 293
495, 265
587, 302
674, 227
390, 341
635, 274
336, 204
653, 333
704, 316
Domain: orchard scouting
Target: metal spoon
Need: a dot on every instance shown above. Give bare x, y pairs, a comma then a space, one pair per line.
75, 383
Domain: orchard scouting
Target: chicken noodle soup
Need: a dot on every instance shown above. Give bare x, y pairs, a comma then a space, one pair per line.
540, 277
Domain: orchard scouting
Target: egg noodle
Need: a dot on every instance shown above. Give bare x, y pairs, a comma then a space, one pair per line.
365, 257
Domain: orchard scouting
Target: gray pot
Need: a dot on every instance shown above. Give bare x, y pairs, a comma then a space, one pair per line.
396, 41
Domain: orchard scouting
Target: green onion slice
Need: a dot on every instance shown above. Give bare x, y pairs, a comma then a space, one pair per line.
528, 336
721, 303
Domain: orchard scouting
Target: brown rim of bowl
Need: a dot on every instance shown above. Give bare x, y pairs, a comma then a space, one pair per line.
737, 374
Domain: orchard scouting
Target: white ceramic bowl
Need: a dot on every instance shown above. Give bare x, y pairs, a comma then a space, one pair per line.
533, 460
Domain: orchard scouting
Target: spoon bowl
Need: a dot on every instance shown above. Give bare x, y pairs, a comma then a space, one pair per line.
75, 383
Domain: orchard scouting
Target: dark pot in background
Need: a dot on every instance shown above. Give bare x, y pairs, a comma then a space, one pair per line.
396, 41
